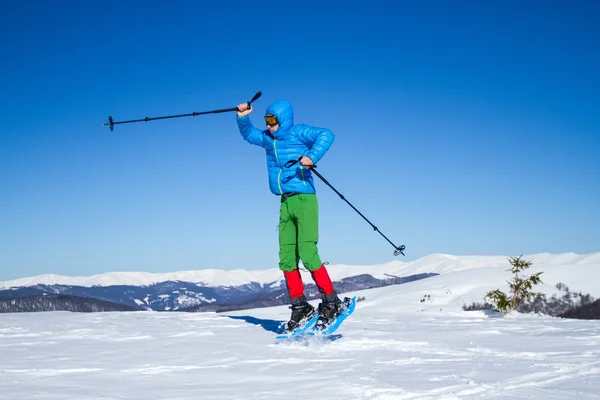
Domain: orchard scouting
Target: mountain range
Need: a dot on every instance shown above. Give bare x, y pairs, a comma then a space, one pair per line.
223, 290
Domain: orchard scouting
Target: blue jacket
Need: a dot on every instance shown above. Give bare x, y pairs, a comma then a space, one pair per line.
289, 142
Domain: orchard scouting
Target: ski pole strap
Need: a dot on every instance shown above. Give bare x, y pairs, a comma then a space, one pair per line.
291, 163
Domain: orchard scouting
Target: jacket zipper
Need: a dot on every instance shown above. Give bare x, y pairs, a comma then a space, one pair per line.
278, 163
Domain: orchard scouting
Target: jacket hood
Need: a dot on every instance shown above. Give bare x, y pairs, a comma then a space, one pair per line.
284, 113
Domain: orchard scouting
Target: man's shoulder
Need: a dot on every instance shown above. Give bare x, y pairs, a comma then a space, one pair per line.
300, 128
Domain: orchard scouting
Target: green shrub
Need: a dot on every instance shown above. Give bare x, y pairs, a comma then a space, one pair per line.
521, 287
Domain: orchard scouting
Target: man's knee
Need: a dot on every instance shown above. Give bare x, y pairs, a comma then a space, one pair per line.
288, 258
309, 255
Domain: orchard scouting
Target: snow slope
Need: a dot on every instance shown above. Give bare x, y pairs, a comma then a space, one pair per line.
394, 346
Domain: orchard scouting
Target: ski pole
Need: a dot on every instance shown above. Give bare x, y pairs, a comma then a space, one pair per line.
112, 123
397, 249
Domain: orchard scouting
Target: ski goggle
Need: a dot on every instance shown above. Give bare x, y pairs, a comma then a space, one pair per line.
271, 120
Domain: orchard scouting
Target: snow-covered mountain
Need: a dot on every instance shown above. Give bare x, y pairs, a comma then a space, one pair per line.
191, 296
212, 290
435, 264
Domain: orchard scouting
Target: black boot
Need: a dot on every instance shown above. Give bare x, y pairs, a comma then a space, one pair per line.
329, 309
302, 311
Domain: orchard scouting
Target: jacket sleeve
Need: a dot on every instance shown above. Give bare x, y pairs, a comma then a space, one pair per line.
318, 140
250, 133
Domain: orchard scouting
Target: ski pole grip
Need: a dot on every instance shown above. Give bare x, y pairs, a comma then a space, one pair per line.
238, 109
256, 96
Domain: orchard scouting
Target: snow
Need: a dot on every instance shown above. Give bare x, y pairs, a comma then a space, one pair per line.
185, 301
394, 346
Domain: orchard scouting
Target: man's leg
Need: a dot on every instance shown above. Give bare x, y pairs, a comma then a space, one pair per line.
306, 210
288, 263
288, 254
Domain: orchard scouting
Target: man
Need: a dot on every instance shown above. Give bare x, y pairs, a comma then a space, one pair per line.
298, 213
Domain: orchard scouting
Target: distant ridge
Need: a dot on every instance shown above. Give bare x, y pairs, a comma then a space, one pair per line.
434, 263
188, 296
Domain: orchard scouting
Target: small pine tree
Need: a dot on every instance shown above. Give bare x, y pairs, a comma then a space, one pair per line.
520, 287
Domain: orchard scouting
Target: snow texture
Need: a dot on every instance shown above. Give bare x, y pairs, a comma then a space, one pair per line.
410, 341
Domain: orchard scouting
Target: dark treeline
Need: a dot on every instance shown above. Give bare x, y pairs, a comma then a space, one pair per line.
60, 302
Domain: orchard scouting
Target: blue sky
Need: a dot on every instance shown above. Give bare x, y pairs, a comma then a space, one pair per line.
461, 127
